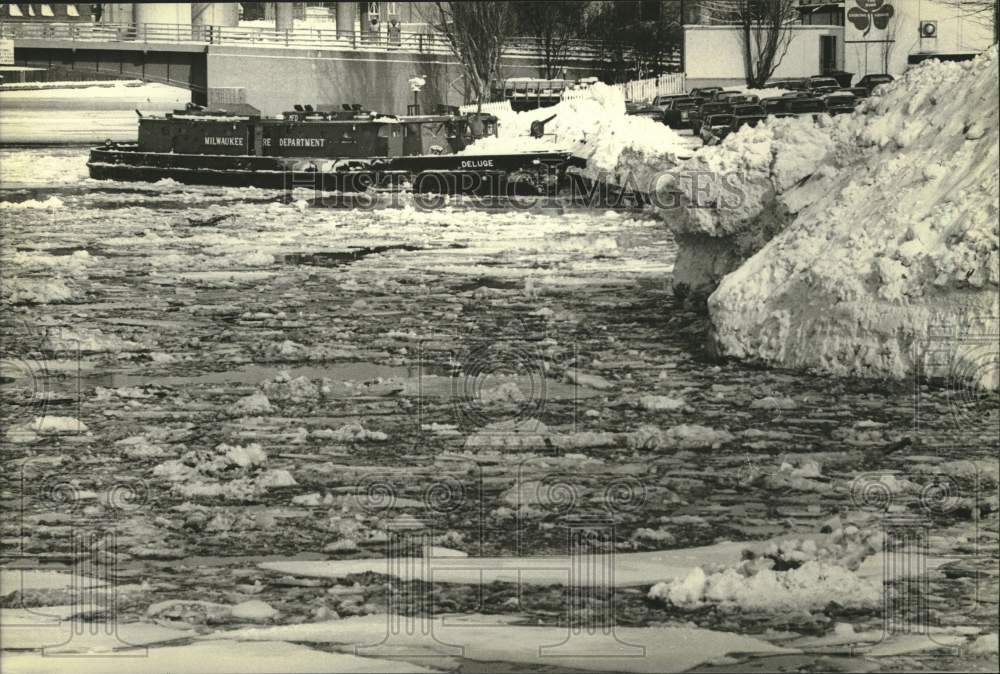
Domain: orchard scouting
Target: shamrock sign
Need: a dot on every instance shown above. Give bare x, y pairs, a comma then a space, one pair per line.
869, 13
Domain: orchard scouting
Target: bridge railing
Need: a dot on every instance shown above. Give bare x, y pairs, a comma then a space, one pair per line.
329, 38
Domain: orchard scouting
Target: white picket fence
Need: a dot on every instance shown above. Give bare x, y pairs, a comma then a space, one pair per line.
637, 91
642, 91
498, 108
646, 90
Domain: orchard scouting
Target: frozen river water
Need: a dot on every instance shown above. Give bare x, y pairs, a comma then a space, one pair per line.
229, 377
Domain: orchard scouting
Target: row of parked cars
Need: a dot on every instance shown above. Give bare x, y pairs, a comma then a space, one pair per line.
713, 112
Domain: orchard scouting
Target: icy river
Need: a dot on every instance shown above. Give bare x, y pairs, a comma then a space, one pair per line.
220, 402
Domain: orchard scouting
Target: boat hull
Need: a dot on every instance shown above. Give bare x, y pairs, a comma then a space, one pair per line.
538, 172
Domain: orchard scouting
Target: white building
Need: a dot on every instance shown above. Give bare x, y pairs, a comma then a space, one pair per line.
828, 40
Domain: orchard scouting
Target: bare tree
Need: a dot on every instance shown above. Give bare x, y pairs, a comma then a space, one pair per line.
556, 24
765, 34
765, 29
983, 12
477, 33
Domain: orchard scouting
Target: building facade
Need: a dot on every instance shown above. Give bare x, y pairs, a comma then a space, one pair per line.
857, 36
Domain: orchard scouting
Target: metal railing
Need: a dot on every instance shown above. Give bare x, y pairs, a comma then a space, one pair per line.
329, 38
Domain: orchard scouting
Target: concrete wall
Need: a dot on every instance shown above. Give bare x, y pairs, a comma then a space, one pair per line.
161, 12
276, 78
715, 53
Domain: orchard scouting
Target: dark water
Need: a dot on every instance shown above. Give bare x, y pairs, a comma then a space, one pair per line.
439, 329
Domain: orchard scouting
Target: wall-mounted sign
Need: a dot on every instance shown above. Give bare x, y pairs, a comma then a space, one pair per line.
869, 13
6, 52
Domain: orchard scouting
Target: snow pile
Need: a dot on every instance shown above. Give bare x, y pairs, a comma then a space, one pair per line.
254, 404
762, 93
680, 437
139, 447
750, 586
895, 238
48, 204
509, 435
70, 84
76, 264
727, 201
36, 291
87, 340
350, 432
52, 425
230, 471
24, 287
984, 646
620, 149
283, 387
797, 574
655, 403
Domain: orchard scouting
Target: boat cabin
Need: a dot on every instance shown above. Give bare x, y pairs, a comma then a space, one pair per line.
322, 131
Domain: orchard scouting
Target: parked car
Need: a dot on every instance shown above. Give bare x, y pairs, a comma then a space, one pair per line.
678, 113
747, 110
819, 86
663, 102
696, 117
744, 99
793, 85
715, 128
776, 105
747, 115
650, 111
726, 94
870, 82
840, 102
800, 107
704, 92
859, 92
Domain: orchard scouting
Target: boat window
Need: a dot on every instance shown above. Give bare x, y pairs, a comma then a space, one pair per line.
71, 10
14, 10
47, 10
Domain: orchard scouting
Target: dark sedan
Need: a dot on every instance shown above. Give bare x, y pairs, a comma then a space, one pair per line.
678, 113
871, 82
840, 102
696, 117
716, 128
747, 115
822, 85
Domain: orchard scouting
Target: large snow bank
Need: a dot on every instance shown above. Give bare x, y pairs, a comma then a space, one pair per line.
728, 200
855, 237
896, 240
620, 149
